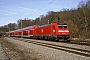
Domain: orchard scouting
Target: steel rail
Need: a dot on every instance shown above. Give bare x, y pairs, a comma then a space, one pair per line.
77, 51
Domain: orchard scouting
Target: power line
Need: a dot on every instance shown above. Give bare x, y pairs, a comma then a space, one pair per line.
37, 3
47, 4
44, 6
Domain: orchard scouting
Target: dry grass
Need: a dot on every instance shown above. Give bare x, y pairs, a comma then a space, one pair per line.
15, 53
80, 39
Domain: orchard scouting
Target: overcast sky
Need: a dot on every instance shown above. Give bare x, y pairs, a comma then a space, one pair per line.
12, 10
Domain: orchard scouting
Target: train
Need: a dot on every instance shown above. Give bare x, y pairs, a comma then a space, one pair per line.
54, 32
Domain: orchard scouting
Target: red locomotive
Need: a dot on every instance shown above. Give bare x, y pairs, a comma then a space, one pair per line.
53, 31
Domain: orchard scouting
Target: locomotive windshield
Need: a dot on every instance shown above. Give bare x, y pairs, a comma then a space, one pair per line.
62, 26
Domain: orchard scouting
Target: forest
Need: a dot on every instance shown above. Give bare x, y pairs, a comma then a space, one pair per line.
78, 20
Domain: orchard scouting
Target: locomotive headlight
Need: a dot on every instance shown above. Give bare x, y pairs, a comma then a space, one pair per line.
53, 30
63, 30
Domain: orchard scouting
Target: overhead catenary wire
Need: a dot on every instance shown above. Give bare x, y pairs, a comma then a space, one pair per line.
47, 4
40, 8
36, 4
43, 6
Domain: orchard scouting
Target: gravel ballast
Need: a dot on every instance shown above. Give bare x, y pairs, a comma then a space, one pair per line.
3, 54
47, 53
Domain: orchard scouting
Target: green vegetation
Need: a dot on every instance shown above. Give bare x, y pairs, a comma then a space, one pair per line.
78, 20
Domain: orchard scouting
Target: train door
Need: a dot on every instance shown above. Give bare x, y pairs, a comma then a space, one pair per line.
53, 30
31, 32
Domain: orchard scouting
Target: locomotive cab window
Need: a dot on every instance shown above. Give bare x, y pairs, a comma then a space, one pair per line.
62, 26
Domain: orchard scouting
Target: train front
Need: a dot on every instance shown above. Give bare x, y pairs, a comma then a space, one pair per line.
63, 32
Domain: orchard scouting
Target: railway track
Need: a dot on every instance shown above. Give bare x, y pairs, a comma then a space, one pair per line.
77, 51
85, 43
78, 42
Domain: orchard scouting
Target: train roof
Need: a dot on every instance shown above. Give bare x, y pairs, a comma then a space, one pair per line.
44, 25
26, 28
14, 31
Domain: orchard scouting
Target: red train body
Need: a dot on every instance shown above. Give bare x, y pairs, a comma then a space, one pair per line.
53, 31
29, 31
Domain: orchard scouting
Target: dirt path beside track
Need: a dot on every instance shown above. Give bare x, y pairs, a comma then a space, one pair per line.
17, 53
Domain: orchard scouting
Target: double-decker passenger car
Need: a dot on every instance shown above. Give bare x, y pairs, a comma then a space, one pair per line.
29, 31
